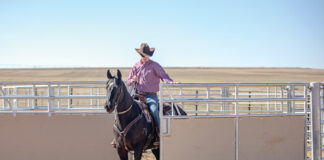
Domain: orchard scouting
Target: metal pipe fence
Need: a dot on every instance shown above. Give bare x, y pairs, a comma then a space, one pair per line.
52, 97
197, 99
251, 99
287, 98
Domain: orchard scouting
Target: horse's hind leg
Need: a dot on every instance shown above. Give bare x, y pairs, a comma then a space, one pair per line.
123, 154
156, 153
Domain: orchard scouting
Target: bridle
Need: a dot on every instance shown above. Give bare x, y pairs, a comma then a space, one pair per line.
118, 101
123, 133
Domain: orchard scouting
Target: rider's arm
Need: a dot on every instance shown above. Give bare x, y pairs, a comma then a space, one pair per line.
131, 76
162, 74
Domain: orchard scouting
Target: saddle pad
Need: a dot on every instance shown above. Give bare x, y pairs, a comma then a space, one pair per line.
146, 113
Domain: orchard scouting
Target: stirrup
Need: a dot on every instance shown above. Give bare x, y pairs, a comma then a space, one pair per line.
157, 143
113, 143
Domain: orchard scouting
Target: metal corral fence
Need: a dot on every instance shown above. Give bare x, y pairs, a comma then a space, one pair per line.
217, 100
52, 97
239, 100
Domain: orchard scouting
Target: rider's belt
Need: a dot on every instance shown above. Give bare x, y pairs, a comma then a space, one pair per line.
146, 93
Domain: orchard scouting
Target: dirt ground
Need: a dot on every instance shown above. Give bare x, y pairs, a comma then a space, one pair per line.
183, 75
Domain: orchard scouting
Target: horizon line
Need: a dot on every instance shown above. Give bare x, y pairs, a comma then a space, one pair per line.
167, 67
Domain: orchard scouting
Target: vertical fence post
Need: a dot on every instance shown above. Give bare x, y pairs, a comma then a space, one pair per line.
181, 96
50, 99
98, 100
293, 96
28, 100
4, 101
8, 100
305, 96
91, 100
236, 100
236, 122
290, 95
208, 96
196, 106
163, 124
268, 96
322, 110
276, 97
69, 94
249, 108
34, 102
15, 100
316, 120
281, 96
59, 94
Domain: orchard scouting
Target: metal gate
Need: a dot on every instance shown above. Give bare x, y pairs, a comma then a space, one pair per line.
236, 102
317, 115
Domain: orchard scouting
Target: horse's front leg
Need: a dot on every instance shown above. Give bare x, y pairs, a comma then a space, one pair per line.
156, 153
138, 151
123, 154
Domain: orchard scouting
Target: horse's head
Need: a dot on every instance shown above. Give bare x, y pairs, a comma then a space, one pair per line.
114, 90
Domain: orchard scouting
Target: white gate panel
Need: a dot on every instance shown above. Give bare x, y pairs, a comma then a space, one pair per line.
200, 138
269, 138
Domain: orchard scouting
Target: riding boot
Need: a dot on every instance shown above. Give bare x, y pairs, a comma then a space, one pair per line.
113, 143
157, 139
156, 142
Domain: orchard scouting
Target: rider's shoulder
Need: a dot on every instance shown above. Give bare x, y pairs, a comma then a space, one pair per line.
154, 63
137, 64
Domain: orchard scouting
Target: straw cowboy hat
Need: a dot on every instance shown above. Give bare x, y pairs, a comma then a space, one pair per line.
145, 50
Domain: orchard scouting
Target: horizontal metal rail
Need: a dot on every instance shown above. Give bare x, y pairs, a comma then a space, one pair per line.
233, 99
54, 97
49, 82
206, 85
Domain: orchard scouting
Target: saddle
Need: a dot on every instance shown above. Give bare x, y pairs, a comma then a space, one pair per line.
140, 98
167, 108
145, 109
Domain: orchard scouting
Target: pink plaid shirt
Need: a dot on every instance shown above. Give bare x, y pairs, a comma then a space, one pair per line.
148, 76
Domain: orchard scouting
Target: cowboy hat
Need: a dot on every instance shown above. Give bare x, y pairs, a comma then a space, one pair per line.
145, 50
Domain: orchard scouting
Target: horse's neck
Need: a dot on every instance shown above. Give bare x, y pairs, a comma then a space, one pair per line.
124, 104
125, 101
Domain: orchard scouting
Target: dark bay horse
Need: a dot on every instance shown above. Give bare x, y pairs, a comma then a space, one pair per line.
131, 129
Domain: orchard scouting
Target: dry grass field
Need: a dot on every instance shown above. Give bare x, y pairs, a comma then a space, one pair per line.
183, 75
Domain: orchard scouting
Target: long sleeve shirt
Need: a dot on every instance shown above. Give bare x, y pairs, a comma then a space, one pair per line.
148, 75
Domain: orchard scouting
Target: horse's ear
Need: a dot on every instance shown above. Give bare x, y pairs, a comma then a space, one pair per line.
119, 75
109, 76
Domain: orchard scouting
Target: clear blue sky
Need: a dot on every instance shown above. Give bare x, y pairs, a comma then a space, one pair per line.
274, 33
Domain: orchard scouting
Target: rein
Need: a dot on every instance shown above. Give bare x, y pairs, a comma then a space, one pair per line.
123, 112
123, 133
117, 127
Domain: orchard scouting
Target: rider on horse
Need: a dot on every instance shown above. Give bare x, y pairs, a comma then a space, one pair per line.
146, 75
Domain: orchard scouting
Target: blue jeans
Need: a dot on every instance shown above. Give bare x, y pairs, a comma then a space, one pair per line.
153, 103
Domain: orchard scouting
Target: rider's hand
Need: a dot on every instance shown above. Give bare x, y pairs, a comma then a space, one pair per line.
135, 79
